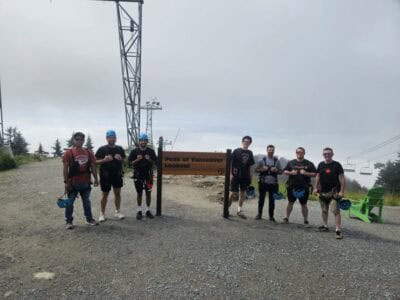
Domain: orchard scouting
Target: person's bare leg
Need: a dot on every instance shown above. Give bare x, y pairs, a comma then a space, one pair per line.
338, 221
103, 202
117, 195
139, 199
232, 195
304, 211
325, 217
289, 209
148, 199
241, 200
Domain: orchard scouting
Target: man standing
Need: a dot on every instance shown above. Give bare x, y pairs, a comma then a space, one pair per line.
329, 186
110, 158
79, 164
242, 160
142, 159
300, 171
269, 168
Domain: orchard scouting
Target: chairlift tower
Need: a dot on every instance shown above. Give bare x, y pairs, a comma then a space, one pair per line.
149, 107
2, 139
130, 42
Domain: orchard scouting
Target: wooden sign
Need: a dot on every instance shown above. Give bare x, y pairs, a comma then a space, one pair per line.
193, 163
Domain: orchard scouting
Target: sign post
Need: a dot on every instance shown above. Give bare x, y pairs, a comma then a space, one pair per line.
227, 182
159, 176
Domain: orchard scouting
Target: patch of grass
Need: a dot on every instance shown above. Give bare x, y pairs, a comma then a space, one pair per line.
6, 162
26, 159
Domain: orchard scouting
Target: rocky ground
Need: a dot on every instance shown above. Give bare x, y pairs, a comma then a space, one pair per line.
189, 252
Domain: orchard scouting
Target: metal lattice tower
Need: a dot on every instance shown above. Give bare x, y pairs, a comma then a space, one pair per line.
2, 139
130, 42
149, 107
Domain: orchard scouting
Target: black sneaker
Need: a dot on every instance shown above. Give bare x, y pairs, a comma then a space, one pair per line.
286, 220
92, 222
149, 215
241, 215
139, 215
338, 235
272, 219
258, 217
306, 222
69, 226
323, 228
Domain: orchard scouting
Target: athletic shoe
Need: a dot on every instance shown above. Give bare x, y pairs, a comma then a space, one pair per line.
102, 218
120, 216
69, 226
149, 215
139, 215
258, 217
272, 220
338, 235
323, 228
241, 215
286, 220
92, 222
306, 222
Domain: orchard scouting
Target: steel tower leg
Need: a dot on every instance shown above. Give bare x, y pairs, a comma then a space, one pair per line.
2, 140
130, 42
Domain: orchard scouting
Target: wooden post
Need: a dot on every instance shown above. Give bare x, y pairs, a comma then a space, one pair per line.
159, 176
227, 183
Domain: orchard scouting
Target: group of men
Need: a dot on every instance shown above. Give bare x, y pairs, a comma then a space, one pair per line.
329, 183
80, 164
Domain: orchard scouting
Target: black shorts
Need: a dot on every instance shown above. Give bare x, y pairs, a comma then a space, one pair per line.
236, 183
143, 184
110, 181
302, 200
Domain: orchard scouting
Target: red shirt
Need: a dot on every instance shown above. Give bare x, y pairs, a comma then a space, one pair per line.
85, 158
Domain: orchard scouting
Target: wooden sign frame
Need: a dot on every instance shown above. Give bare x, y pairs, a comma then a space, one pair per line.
193, 163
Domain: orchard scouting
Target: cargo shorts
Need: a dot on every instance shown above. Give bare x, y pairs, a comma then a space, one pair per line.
332, 202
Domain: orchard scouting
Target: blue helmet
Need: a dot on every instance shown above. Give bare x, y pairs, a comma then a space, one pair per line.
111, 133
299, 193
277, 196
345, 204
143, 137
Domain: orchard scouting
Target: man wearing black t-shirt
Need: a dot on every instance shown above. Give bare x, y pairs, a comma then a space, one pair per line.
300, 171
329, 186
110, 158
242, 160
142, 159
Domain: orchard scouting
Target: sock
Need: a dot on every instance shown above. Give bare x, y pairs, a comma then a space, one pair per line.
139, 208
239, 208
147, 208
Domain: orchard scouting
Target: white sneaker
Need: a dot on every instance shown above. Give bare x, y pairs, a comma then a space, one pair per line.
119, 215
102, 218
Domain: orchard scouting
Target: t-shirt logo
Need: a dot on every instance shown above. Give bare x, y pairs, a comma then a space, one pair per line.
245, 158
328, 171
82, 159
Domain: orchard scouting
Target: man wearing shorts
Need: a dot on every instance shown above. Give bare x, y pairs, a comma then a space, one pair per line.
300, 171
142, 159
110, 157
329, 186
79, 164
242, 160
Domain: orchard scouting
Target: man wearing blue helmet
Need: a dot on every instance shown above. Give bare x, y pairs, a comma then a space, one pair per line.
142, 159
110, 157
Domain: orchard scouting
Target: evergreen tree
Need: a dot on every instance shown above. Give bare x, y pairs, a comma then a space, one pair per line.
40, 149
89, 143
17, 142
389, 176
70, 141
57, 149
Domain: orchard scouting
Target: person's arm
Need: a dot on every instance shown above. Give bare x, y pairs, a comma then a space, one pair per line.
316, 184
289, 170
65, 175
93, 168
342, 181
260, 167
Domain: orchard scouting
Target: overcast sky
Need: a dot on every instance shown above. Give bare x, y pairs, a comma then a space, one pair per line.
290, 73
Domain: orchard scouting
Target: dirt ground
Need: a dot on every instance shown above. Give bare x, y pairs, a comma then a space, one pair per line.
189, 252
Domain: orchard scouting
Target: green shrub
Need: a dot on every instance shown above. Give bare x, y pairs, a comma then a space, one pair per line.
6, 162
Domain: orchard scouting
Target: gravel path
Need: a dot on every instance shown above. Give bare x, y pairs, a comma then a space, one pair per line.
190, 252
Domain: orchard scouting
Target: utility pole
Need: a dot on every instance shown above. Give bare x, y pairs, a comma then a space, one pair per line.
149, 107
130, 42
2, 139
